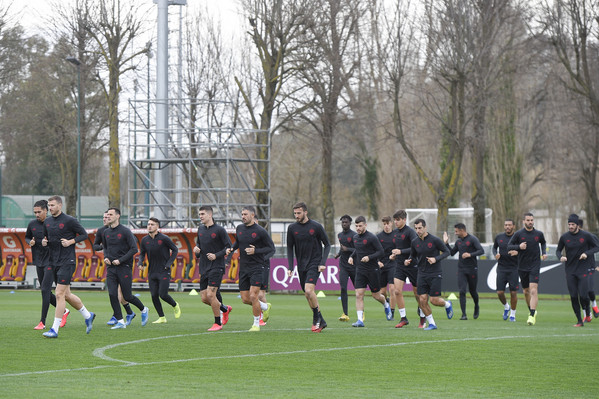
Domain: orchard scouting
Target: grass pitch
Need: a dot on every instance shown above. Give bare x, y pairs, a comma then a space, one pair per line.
487, 357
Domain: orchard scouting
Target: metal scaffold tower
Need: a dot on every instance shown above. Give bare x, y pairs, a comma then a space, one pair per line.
199, 165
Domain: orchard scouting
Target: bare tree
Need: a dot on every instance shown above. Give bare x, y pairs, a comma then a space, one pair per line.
113, 25
572, 28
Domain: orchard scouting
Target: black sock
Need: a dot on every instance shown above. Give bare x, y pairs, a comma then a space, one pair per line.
128, 309
217, 320
315, 314
223, 308
532, 312
393, 312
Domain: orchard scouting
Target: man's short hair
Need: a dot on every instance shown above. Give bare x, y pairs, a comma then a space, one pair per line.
460, 226
206, 208
249, 208
360, 219
301, 205
528, 214
401, 214
41, 204
116, 210
509, 220
155, 220
346, 217
386, 219
55, 198
420, 221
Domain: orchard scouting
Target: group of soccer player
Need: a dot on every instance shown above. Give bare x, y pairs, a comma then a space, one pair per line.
384, 263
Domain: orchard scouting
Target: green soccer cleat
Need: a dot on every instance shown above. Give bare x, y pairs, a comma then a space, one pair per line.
254, 328
160, 320
266, 313
177, 311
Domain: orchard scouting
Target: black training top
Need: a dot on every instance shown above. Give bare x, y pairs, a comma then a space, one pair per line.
212, 240
531, 257
39, 254
119, 243
387, 241
346, 239
161, 252
506, 262
576, 245
429, 247
257, 236
67, 227
468, 244
308, 239
367, 244
98, 240
403, 240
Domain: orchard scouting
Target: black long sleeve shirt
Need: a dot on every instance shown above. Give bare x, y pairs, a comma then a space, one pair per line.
506, 262
346, 239
119, 243
258, 237
403, 242
576, 245
98, 240
367, 244
310, 242
57, 228
39, 254
212, 240
469, 244
387, 241
535, 246
429, 247
161, 252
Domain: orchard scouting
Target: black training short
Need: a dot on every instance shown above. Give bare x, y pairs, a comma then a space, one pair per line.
212, 278
404, 273
251, 277
308, 276
387, 275
529, 276
429, 284
63, 274
370, 278
505, 277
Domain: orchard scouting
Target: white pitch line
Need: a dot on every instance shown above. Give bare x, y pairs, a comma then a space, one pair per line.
100, 351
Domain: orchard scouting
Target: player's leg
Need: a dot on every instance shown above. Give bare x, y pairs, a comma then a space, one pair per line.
472, 288
462, 287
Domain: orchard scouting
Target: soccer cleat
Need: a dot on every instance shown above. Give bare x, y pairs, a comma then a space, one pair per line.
596, 312
402, 323
113, 321
530, 321
50, 334
89, 322
579, 325
160, 320
261, 322
218, 327
422, 322
225, 315
388, 314
129, 318
506, 314
344, 317
63, 322
177, 311
358, 323
118, 326
449, 311
464, 317
321, 325
587, 319
254, 328
512, 319
144, 316
266, 313
430, 327
40, 326
476, 312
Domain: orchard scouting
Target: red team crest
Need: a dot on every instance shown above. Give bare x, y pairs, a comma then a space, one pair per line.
537, 239
61, 226
430, 245
364, 241
159, 242
213, 235
119, 236
254, 235
581, 240
311, 232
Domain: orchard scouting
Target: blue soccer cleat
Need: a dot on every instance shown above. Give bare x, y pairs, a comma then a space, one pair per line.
430, 327
89, 322
50, 334
118, 326
512, 319
389, 314
358, 323
506, 313
449, 311
112, 321
144, 316
129, 318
